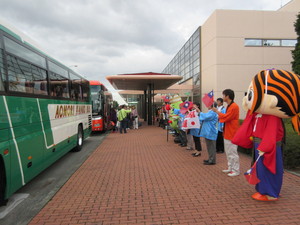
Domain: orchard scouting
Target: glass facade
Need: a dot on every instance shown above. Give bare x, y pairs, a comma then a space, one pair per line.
186, 63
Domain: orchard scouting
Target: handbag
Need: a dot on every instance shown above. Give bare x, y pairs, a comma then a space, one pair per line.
191, 121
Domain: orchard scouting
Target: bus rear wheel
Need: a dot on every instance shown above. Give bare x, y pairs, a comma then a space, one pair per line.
2, 183
79, 139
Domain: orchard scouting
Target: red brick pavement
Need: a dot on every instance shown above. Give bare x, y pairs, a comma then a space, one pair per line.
140, 178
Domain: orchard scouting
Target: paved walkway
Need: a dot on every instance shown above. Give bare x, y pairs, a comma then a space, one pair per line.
140, 178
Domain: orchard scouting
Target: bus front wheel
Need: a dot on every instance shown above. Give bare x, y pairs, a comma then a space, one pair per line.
79, 139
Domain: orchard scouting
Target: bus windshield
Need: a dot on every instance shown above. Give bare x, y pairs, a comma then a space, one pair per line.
97, 99
95, 89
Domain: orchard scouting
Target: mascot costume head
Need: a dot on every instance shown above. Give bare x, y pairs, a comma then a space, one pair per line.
272, 95
275, 92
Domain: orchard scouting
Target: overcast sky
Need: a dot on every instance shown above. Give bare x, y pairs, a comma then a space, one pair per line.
107, 37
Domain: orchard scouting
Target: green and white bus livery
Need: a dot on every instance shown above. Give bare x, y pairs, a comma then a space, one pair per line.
45, 111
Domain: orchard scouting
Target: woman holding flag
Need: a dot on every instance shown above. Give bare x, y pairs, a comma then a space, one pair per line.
209, 131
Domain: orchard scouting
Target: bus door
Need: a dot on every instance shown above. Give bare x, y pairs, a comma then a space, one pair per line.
97, 112
26, 136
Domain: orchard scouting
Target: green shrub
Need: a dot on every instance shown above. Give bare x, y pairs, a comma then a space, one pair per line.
291, 151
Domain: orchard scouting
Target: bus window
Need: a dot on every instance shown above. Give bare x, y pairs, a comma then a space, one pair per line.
59, 85
24, 53
20, 76
57, 69
27, 78
59, 81
76, 87
2, 74
86, 90
39, 81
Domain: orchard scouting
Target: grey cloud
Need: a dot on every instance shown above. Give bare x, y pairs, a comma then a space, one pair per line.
115, 36
122, 22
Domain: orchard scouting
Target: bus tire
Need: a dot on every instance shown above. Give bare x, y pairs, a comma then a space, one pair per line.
2, 183
79, 139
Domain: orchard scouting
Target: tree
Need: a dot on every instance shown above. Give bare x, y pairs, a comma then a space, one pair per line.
296, 52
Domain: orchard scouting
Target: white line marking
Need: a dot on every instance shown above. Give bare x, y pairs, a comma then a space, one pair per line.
14, 139
46, 144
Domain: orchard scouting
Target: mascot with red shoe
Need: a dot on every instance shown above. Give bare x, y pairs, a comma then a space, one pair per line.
272, 95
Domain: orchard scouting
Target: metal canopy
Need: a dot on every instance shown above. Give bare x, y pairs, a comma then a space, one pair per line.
147, 82
141, 81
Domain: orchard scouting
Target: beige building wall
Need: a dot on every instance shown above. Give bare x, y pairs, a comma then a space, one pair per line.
292, 6
227, 63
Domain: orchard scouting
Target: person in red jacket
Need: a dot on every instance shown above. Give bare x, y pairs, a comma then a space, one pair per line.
272, 95
231, 125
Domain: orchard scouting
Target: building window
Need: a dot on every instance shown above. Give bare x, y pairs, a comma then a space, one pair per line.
288, 43
270, 42
253, 42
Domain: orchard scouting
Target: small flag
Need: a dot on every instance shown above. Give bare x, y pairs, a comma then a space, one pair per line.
251, 175
166, 98
208, 99
185, 106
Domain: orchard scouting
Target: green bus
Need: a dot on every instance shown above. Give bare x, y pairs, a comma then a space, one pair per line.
45, 111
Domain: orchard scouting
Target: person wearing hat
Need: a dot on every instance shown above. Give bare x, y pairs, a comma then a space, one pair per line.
209, 131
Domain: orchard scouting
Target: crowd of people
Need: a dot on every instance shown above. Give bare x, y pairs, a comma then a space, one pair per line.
217, 127
125, 118
272, 95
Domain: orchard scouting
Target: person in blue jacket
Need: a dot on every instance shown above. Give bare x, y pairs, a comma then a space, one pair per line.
209, 130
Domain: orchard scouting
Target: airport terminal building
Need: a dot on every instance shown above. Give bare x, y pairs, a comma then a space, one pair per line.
232, 46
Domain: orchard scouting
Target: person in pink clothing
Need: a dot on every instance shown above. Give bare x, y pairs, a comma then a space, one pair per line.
135, 118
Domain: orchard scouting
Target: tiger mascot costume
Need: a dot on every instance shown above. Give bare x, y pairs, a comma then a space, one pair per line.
272, 95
